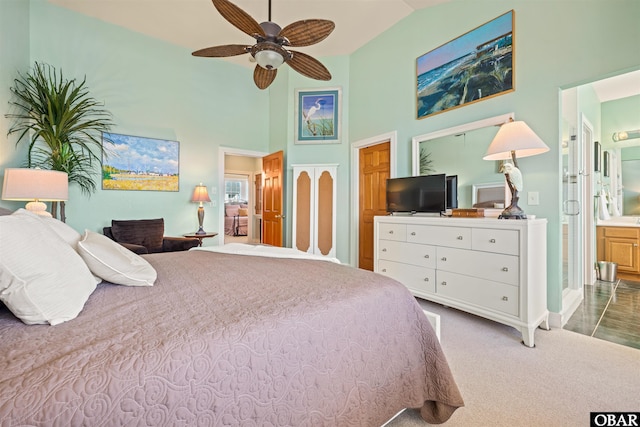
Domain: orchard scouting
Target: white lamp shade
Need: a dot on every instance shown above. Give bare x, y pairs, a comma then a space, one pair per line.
35, 184
200, 194
515, 136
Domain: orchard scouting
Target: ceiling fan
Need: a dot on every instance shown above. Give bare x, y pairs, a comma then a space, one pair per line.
271, 40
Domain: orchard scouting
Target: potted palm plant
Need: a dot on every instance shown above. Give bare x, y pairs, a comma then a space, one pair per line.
62, 124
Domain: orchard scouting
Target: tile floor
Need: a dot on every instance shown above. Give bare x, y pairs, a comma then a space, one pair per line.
609, 311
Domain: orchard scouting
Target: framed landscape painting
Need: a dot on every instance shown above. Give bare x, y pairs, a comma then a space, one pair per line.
473, 67
140, 163
318, 116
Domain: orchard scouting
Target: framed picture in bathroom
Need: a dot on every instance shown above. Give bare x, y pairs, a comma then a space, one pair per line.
605, 163
597, 154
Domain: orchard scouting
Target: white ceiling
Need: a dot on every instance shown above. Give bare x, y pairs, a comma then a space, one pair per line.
196, 24
618, 87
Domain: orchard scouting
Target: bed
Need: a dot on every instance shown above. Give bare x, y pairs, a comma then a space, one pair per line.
236, 219
229, 339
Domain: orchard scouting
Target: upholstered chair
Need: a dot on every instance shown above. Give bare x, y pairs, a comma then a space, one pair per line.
146, 236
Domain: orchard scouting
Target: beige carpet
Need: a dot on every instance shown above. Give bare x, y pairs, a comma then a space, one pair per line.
557, 383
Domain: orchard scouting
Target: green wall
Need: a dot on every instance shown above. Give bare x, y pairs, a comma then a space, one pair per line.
14, 56
558, 44
158, 90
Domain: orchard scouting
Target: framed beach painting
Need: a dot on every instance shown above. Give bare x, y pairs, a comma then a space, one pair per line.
473, 67
140, 163
318, 116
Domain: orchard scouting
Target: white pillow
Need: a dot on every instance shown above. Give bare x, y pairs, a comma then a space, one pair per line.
68, 234
113, 262
42, 279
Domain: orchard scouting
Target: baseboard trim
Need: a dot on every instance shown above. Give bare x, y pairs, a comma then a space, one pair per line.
571, 299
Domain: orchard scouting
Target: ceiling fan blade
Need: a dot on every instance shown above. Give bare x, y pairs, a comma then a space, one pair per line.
222, 51
263, 77
307, 32
308, 66
238, 18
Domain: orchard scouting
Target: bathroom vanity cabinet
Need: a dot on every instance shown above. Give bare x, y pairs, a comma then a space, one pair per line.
622, 246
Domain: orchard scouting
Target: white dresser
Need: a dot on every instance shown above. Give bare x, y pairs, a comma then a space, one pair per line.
490, 267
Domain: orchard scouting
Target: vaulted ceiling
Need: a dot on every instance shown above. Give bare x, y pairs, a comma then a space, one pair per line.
196, 24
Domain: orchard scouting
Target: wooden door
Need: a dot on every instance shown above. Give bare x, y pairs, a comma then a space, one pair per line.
373, 174
272, 200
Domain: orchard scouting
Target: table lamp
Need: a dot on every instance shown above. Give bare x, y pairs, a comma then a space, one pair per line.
36, 186
200, 195
514, 139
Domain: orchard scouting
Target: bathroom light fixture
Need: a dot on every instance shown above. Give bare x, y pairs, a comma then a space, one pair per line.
623, 135
200, 195
35, 186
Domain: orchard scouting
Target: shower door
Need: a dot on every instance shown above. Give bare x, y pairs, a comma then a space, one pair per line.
577, 209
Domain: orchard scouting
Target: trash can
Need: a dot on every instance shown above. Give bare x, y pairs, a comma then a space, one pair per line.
607, 271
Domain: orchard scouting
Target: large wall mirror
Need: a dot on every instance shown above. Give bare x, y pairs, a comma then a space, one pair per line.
621, 143
458, 151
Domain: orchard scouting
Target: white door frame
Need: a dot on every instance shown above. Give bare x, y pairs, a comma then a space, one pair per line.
587, 139
222, 151
392, 137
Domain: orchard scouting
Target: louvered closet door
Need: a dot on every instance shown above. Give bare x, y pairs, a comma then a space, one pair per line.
314, 206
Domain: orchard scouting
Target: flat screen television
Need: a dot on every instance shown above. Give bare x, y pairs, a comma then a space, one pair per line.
452, 192
425, 193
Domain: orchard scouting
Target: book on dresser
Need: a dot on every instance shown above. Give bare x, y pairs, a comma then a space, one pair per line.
494, 268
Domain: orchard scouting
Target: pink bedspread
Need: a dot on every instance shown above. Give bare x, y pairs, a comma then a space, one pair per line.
230, 340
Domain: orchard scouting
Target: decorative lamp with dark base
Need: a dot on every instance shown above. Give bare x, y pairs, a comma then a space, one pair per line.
514, 139
200, 195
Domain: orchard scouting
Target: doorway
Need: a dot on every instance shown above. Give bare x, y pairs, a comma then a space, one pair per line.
362, 242
239, 168
590, 115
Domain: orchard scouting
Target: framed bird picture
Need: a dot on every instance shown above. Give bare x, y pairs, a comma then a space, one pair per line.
318, 114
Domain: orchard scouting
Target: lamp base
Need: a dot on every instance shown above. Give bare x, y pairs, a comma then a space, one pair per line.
38, 208
200, 220
512, 216
513, 211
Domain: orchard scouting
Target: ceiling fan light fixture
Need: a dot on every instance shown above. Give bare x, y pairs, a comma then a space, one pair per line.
269, 59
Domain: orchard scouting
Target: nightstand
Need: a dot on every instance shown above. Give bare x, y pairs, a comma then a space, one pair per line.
200, 236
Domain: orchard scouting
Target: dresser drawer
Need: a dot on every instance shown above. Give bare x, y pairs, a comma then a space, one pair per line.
415, 278
392, 231
494, 267
482, 293
455, 237
407, 253
493, 240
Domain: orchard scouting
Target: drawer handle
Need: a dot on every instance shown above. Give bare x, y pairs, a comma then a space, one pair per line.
459, 237
505, 268
413, 233
505, 298
426, 256
492, 241
444, 258
444, 283
384, 270
390, 231
384, 249
426, 279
